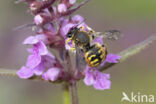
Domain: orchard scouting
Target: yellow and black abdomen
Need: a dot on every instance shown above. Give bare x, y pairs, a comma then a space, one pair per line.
95, 55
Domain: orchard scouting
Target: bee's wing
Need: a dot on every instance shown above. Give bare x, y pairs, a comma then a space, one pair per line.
109, 34
80, 61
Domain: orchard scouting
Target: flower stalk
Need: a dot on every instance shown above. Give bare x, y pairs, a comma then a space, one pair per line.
73, 93
70, 94
66, 93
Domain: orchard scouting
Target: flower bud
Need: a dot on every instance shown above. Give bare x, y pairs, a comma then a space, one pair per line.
62, 8
35, 6
41, 19
72, 2
38, 6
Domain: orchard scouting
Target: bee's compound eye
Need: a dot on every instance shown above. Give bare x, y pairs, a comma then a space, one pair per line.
69, 35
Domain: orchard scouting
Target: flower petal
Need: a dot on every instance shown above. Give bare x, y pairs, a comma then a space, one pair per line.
49, 60
38, 70
77, 19
52, 74
30, 40
66, 28
102, 81
25, 73
98, 40
89, 77
42, 37
112, 58
42, 48
33, 60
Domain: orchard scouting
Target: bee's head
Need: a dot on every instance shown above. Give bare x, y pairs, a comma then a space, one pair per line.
72, 32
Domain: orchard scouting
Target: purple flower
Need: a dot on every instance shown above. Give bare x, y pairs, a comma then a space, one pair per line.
46, 62
98, 40
52, 74
39, 49
99, 80
39, 58
65, 29
111, 58
77, 18
67, 24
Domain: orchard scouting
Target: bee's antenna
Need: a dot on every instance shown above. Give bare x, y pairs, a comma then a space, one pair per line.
81, 22
23, 26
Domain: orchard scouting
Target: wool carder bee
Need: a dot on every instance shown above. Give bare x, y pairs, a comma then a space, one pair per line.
94, 54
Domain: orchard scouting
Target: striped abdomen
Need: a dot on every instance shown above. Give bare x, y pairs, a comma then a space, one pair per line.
96, 55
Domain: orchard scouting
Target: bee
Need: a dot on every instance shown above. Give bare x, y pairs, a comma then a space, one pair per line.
94, 54
79, 38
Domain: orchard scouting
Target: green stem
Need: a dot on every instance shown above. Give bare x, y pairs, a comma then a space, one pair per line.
131, 51
66, 94
73, 93
8, 72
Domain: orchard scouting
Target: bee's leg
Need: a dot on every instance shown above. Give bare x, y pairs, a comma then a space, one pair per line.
73, 48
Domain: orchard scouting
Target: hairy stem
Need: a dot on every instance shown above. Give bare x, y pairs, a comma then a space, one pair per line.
66, 93
73, 93
133, 50
8, 72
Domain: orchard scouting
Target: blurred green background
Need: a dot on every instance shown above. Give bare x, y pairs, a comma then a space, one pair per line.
135, 18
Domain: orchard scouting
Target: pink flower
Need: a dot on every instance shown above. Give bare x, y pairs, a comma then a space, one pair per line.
39, 59
99, 80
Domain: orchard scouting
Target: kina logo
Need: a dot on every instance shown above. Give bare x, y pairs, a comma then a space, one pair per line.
137, 97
